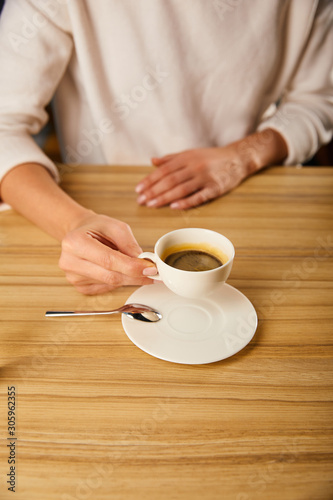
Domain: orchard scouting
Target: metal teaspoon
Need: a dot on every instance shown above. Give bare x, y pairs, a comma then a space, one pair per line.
139, 312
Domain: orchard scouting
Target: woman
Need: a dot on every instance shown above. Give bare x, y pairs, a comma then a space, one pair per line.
211, 92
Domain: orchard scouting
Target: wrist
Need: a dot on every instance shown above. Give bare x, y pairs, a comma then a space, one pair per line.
77, 218
262, 149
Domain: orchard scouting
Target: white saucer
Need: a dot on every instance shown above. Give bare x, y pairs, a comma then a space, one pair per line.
193, 331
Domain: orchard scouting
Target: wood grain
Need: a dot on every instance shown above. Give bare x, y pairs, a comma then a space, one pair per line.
97, 418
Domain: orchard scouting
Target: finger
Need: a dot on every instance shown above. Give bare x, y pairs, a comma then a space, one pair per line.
80, 245
86, 286
198, 198
159, 174
125, 240
114, 282
82, 272
175, 194
163, 159
174, 186
209, 192
93, 288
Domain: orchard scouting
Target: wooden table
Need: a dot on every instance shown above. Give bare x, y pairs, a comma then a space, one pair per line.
97, 418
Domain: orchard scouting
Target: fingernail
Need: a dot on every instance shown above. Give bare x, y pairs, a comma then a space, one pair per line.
139, 188
149, 271
174, 205
142, 198
152, 203
135, 252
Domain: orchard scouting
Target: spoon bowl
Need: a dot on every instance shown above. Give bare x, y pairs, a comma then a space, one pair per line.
139, 312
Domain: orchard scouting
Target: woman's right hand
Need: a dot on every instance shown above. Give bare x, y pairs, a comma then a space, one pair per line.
92, 267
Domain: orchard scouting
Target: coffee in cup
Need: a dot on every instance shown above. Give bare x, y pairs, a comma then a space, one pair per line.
194, 257
192, 262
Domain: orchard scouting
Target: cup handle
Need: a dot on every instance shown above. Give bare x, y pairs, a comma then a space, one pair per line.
151, 256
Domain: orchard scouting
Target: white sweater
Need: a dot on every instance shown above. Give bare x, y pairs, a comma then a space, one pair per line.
132, 79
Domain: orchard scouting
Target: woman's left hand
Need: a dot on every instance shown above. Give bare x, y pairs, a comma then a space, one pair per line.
190, 178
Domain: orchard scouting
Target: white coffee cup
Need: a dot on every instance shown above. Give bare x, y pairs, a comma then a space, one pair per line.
192, 284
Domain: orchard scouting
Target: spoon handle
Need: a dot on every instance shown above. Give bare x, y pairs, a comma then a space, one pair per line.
53, 314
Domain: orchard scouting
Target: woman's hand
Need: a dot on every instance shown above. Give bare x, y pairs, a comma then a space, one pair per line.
190, 178
90, 265
100, 254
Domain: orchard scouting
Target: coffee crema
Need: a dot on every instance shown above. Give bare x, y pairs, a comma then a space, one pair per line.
194, 257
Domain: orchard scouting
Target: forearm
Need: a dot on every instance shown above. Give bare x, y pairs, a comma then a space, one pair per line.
31, 191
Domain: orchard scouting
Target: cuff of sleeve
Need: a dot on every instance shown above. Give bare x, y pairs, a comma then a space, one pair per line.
22, 149
300, 137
